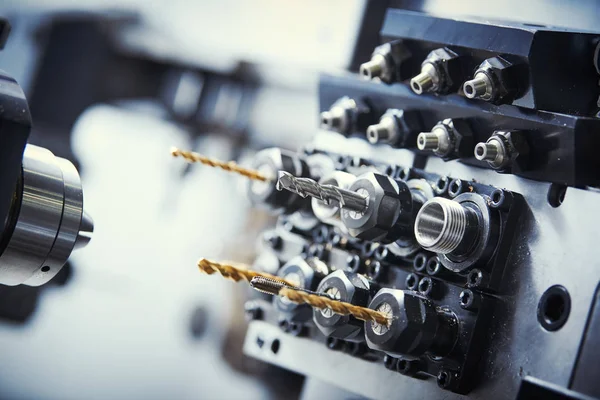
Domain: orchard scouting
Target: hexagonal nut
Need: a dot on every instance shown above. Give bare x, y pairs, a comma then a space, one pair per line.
462, 137
349, 287
388, 213
503, 75
408, 124
447, 64
413, 326
264, 194
395, 54
517, 150
305, 274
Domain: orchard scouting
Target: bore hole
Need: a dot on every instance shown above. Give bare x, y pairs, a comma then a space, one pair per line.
421, 140
424, 285
469, 89
443, 378
465, 298
325, 121
353, 262
390, 170
275, 346
441, 183
433, 266
474, 277
372, 134
556, 194
419, 262
402, 366
284, 325
45, 268
365, 72
554, 308
496, 196
416, 87
411, 281
479, 151
388, 362
454, 187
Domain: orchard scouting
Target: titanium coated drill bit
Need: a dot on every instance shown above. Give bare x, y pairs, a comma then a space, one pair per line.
317, 300
229, 166
328, 194
235, 273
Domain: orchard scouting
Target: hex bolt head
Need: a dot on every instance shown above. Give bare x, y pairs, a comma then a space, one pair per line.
386, 62
416, 327
394, 127
495, 80
346, 115
448, 139
349, 287
388, 215
504, 151
305, 274
264, 194
440, 73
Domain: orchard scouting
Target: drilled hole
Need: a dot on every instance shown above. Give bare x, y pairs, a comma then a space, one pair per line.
497, 196
45, 268
465, 298
556, 194
479, 150
469, 89
275, 346
416, 87
554, 308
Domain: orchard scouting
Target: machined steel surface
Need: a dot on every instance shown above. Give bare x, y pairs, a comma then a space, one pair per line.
49, 221
326, 193
516, 345
440, 225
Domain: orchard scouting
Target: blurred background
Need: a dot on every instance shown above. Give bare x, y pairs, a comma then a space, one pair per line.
112, 85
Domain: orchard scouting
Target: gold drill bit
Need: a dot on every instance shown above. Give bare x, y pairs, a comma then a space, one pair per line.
317, 300
229, 166
235, 273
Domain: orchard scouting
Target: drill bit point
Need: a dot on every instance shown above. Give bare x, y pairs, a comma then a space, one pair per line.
229, 166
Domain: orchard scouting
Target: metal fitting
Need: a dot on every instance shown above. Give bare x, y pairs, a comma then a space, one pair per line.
442, 225
440, 72
495, 80
427, 81
265, 194
348, 287
305, 274
385, 62
46, 220
394, 127
346, 115
504, 150
416, 326
388, 214
480, 87
449, 139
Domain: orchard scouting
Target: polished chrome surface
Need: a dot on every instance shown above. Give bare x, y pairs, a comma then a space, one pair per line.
328, 194
49, 220
440, 225
330, 213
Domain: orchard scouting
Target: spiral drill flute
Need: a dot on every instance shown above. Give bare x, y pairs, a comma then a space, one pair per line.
328, 194
317, 300
229, 166
235, 273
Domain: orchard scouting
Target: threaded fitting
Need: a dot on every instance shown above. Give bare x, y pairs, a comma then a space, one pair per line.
441, 225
